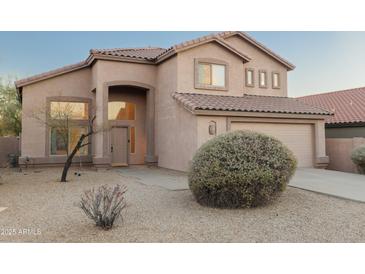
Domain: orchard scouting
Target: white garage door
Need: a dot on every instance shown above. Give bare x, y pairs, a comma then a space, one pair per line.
297, 137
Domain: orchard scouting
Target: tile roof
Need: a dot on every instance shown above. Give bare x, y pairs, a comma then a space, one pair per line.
348, 106
53, 72
247, 103
139, 53
155, 55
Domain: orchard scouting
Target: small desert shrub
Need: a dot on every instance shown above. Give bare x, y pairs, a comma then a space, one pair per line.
104, 205
358, 157
240, 169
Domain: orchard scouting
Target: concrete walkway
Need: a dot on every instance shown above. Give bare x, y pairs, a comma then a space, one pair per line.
340, 184
154, 176
335, 183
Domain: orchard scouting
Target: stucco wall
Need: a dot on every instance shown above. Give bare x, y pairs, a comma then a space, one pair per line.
33, 142
223, 124
345, 132
236, 69
105, 72
260, 60
203, 127
175, 127
339, 151
186, 69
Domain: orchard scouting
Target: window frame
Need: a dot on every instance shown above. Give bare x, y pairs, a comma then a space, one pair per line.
210, 61
279, 80
253, 77
75, 123
265, 72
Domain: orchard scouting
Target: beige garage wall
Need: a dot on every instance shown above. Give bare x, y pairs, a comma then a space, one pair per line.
297, 137
314, 139
339, 151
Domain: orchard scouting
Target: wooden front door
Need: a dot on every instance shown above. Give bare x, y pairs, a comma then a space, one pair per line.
119, 146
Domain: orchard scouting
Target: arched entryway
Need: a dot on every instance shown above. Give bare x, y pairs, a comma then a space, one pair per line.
128, 110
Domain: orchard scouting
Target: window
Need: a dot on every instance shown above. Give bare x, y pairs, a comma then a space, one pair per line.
60, 140
249, 77
262, 79
121, 111
70, 110
67, 121
210, 75
275, 80
132, 138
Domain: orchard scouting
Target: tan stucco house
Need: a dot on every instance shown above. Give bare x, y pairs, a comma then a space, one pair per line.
162, 104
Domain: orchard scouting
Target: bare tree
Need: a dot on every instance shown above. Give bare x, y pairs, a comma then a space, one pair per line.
61, 119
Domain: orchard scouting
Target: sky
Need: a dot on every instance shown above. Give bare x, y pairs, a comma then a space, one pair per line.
325, 61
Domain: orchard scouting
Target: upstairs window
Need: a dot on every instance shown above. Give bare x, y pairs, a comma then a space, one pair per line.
249, 77
275, 80
210, 75
121, 111
262, 79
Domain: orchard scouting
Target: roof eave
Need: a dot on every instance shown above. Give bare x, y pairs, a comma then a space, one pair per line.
122, 59
204, 112
246, 37
21, 83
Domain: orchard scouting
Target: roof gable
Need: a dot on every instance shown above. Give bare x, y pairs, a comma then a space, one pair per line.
213, 38
259, 46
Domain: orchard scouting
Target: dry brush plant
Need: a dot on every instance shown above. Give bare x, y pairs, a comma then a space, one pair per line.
104, 205
240, 169
358, 158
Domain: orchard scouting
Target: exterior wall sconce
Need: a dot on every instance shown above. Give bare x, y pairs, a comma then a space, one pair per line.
212, 128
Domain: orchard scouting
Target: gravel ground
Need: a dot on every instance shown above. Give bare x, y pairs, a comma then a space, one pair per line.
46, 209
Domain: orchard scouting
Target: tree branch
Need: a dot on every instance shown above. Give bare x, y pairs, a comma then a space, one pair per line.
88, 143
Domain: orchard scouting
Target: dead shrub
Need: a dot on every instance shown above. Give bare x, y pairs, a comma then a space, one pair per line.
104, 205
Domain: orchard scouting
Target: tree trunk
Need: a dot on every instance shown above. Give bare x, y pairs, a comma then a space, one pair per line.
68, 163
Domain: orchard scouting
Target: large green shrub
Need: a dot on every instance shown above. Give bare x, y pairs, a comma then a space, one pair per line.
358, 157
240, 169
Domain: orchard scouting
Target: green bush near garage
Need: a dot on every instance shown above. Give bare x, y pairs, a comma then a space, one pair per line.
240, 169
358, 158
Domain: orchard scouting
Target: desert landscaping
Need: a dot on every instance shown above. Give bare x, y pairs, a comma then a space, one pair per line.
38, 208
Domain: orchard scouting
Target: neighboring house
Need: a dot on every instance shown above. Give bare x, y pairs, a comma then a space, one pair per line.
345, 130
163, 104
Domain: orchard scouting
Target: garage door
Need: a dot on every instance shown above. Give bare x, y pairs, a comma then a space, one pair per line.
297, 137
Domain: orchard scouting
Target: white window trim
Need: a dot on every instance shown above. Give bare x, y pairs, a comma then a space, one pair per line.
265, 72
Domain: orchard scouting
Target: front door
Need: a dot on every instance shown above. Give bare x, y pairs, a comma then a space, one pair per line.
119, 146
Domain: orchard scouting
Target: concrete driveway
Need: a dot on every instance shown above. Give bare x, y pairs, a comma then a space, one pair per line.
340, 184
335, 183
